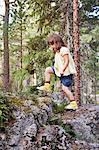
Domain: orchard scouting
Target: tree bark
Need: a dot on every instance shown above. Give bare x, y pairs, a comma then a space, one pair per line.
21, 44
21, 50
69, 24
76, 50
6, 47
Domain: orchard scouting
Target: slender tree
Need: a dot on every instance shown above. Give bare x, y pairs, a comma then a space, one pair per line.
6, 46
76, 49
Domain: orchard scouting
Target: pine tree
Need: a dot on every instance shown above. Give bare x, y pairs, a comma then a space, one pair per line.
6, 46
76, 49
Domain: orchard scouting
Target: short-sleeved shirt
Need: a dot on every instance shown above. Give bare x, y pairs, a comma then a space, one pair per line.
59, 62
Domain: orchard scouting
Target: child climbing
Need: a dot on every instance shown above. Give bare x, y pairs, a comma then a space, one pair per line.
64, 68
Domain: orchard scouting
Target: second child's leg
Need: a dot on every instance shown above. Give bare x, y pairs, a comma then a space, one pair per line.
73, 104
46, 86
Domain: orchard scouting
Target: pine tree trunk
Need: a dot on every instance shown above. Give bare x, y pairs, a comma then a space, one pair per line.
76, 50
69, 24
21, 49
66, 23
6, 46
21, 52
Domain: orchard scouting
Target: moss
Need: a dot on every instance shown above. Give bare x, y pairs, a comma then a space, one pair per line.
34, 99
45, 100
17, 102
5, 110
32, 90
59, 108
55, 120
68, 129
27, 110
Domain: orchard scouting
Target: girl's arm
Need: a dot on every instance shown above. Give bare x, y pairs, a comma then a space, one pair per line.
66, 62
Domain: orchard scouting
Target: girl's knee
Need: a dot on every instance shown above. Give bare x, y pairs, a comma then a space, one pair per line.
64, 88
49, 70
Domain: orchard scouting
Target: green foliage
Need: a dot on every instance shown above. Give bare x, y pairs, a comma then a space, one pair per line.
48, 17
16, 102
85, 9
39, 56
39, 59
59, 108
91, 37
86, 38
69, 129
30, 68
37, 43
44, 58
26, 59
5, 112
19, 11
87, 5
20, 74
32, 90
57, 120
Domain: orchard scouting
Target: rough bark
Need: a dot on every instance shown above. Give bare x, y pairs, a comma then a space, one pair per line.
66, 23
21, 44
6, 46
76, 50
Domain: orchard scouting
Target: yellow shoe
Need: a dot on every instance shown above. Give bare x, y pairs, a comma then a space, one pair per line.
45, 87
72, 106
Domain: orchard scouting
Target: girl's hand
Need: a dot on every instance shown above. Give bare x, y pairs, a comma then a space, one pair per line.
61, 72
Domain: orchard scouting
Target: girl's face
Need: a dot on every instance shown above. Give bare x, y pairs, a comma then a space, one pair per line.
55, 46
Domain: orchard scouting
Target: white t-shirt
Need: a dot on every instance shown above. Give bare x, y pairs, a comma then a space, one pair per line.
59, 62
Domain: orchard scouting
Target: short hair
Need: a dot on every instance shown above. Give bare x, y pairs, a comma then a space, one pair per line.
55, 38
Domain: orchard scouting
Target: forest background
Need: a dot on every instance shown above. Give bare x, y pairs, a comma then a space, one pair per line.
24, 54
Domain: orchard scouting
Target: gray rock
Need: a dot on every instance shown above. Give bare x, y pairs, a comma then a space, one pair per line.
31, 129
85, 123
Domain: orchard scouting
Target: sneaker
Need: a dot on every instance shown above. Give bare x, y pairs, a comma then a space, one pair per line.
45, 87
72, 106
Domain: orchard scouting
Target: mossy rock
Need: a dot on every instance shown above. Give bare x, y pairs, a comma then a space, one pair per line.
17, 102
55, 120
59, 108
68, 129
32, 90
27, 110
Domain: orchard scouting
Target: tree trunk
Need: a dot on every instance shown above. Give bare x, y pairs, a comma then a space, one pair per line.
21, 52
6, 47
66, 23
76, 50
69, 24
21, 49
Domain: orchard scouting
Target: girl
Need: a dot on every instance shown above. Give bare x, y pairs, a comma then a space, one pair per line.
64, 68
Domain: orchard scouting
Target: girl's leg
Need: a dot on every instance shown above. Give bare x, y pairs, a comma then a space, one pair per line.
68, 93
48, 73
73, 104
46, 86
